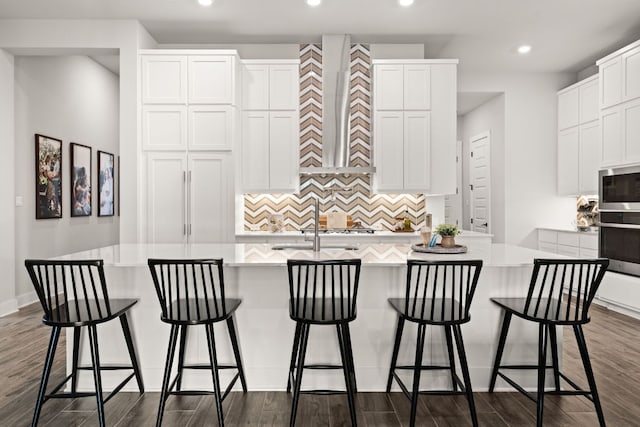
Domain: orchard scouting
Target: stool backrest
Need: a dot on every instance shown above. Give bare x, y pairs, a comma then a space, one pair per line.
551, 278
445, 289
200, 280
70, 288
327, 288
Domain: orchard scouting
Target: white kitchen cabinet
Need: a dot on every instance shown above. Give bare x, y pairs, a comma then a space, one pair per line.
255, 151
255, 86
211, 79
417, 87
284, 86
589, 155
610, 82
164, 127
389, 151
589, 107
211, 127
631, 74
270, 85
417, 150
568, 161
611, 136
569, 108
164, 79
631, 131
388, 86
573, 244
189, 197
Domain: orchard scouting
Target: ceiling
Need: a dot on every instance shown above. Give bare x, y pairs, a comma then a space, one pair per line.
566, 35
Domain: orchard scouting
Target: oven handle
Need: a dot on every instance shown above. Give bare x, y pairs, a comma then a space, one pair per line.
614, 225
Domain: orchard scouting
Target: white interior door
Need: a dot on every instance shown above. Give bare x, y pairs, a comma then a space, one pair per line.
453, 202
480, 183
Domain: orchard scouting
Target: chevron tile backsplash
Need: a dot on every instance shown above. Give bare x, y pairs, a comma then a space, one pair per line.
370, 209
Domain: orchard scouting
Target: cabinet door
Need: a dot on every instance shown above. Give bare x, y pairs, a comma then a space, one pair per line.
589, 103
388, 87
284, 87
164, 79
568, 162
417, 87
631, 73
631, 128
568, 108
610, 83
570, 251
589, 158
210, 127
211, 80
255, 86
164, 127
166, 195
389, 151
284, 157
210, 198
611, 136
255, 151
548, 247
417, 151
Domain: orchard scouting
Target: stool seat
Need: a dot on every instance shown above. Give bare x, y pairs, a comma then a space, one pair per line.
200, 311
558, 312
430, 311
322, 311
87, 312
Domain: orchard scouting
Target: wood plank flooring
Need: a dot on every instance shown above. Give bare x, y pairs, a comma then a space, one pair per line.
613, 341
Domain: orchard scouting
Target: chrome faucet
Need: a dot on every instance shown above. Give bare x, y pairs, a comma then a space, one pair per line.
316, 225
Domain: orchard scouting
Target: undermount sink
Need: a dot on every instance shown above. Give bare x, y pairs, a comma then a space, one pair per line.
283, 246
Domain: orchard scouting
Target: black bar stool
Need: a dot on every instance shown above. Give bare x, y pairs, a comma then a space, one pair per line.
322, 293
74, 294
192, 292
438, 293
547, 305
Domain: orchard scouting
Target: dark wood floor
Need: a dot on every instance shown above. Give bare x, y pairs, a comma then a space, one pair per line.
614, 343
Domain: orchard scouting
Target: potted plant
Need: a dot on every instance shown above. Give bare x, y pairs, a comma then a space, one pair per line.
447, 232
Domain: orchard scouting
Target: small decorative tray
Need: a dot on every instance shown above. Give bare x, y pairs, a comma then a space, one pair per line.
437, 249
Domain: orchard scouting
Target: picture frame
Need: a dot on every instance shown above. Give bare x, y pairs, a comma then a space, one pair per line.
118, 182
80, 172
48, 175
105, 183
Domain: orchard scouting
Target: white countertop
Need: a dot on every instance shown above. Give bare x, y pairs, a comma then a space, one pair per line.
385, 233
569, 229
261, 255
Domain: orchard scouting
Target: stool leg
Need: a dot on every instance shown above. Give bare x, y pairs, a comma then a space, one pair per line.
294, 351
348, 380
416, 373
352, 367
304, 337
181, 350
164, 393
396, 348
452, 360
233, 335
542, 362
95, 359
211, 342
132, 351
462, 355
553, 338
506, 321
76, 355
582, 345
48, 362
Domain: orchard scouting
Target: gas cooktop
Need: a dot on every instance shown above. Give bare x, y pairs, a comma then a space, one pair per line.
353, 230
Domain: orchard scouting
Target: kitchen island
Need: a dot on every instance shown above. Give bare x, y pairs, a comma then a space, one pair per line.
257, 274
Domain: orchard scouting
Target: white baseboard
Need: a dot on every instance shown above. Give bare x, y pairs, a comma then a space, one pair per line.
26, 299
8, 307
620, 308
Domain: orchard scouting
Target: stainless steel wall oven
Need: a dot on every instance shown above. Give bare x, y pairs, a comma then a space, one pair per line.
620, 218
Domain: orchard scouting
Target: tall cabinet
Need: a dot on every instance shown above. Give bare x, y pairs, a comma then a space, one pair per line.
189, 127
578, 138
414, 126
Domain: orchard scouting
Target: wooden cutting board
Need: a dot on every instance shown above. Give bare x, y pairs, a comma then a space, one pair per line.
323, 221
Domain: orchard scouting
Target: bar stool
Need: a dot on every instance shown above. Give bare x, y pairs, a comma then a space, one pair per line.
547, 305
73, 294
192, 292
322, 293
437, 293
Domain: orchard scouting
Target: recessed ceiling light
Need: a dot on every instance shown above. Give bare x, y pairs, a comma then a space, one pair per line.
405, 2
205, 2
524, 49
314, 2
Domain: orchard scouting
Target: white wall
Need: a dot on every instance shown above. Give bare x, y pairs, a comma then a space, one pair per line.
530, 148
487, 117
8, 301
74, 99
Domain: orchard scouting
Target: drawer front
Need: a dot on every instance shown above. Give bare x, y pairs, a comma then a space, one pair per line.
548, 236
588, 253
570, 251
569, 239
548, 247
589, 242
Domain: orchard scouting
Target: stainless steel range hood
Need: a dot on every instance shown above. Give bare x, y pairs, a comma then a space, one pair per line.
336, 111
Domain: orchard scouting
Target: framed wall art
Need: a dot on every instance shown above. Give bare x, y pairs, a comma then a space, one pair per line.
105, 183
80, 179
48, 177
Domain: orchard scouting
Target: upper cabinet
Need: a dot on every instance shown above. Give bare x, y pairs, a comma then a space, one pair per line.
211, 79
164, 79
620, 106
578, 138
270, 157
414, 126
